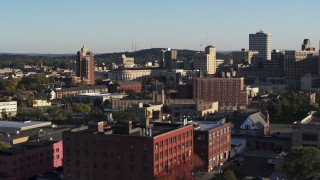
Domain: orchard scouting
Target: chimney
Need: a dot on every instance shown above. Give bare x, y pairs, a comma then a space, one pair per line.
150, 132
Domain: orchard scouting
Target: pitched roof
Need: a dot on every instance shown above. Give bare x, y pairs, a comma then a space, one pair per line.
256, 118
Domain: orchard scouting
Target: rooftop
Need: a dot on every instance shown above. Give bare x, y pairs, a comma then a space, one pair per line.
18, 125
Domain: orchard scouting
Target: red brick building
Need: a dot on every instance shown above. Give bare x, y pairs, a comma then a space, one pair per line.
28, 159
120, 86
85, 65
229, 92
125, 152
212, 142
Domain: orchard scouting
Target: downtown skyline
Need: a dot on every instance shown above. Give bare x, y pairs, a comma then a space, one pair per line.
61, 27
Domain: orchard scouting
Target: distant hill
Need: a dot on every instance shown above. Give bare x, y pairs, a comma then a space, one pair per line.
145, 55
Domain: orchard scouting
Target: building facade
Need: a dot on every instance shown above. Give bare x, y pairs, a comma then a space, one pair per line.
262, 43
9, 108
206, 61
85, 66
127, 152
229, 92
212, 142
29, 159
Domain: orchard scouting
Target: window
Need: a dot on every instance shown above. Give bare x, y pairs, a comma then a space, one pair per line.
310, 137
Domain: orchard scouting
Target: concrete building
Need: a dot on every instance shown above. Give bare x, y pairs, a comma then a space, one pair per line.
238, 146
126, 62
310, 83
85, 66
82, 97
212, 142
10, 108
299, 63
28, 159
244, 56
206, 61
262, 43
194, 108
126, 152
150, 111
169, 58
307, 131
229, 92
73, 91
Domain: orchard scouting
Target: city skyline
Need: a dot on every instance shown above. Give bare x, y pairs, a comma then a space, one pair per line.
61, 27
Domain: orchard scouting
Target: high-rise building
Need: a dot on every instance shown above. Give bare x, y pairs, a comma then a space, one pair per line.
169, 58
206, 61
229, 92
261, 42
85, 65
125, 151
299, 63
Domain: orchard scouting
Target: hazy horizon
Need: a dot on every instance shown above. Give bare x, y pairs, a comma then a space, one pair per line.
62, 27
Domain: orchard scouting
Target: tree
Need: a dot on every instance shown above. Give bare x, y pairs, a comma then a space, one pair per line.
97, 102
182, 171
303, 163
4, 145
125, 116
81, 108
229, 175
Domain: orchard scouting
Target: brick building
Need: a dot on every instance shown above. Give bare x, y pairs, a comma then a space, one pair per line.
31, 158
229, 92
85, 65
120, 86
125, 152
212, 142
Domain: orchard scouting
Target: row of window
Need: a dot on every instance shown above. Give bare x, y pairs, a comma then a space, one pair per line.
173, 139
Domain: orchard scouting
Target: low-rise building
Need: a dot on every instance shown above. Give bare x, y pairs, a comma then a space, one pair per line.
9, 108
150, 111
126, 152
72, 91
212, 142
121, 86
307, 131
193, 108
253, 124
28, 159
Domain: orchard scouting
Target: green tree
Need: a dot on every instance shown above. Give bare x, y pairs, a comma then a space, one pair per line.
229, 175
81, 108
125, 116
303, 163
4, 145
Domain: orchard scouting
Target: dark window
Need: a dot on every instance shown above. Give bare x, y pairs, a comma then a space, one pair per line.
310, 137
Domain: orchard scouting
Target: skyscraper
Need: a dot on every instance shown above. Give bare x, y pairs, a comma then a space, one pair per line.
261, 42
85, 65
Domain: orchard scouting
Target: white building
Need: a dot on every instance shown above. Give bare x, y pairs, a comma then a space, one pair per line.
10, 108
262, 43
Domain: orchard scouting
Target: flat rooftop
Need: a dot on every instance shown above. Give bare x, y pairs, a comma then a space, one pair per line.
9, 126
120, 129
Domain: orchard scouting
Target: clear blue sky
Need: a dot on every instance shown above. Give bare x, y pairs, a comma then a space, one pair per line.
62, 26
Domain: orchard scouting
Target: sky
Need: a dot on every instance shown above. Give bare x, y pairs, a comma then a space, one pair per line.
63, 26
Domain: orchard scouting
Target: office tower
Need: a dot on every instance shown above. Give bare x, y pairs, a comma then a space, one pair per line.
261, 42
299, 63
206, 61
229, 92
169, 58
126, 151
306, 46
85, 65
